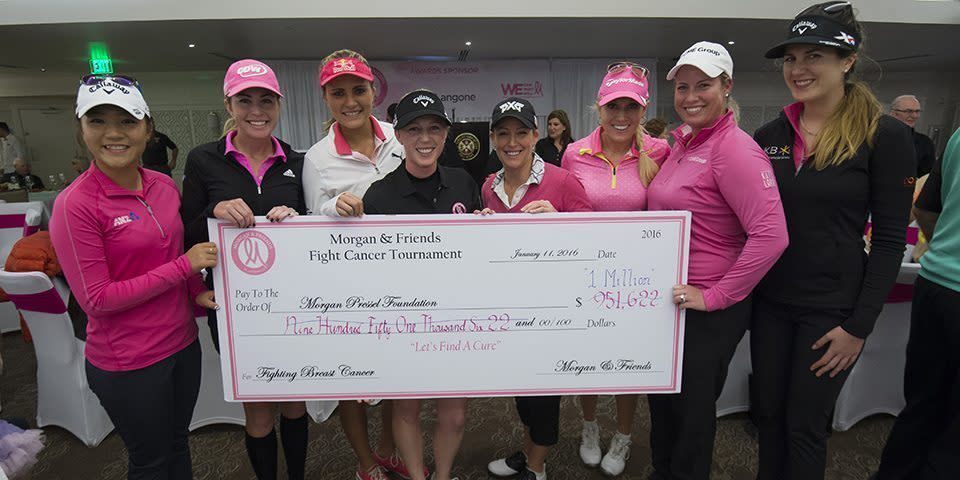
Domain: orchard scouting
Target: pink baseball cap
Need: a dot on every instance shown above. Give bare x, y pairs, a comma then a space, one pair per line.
249, 73
623, 84
345, 66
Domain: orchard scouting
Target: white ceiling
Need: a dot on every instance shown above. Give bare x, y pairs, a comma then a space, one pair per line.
162, 45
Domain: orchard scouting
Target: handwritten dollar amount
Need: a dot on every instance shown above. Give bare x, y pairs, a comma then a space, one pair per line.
619, 299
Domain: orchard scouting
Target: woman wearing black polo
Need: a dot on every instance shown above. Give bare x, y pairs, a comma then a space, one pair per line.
250, 172
838, 162
421, 186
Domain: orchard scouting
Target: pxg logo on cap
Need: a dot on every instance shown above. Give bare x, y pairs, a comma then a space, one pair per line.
252, 70
510, 105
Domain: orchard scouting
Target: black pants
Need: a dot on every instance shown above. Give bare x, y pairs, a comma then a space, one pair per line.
542, 416
683, 425
151, 409
792, 407
925, 440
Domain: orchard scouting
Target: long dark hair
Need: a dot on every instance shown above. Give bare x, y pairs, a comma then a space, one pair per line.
566, 137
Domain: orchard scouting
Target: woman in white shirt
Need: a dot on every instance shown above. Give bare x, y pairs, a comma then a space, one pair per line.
357, 151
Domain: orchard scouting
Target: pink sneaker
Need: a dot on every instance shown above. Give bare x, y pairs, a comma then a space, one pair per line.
395, 464
375, 473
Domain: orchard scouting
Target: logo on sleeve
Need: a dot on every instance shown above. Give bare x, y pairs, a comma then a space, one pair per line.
289, 173
768, 178
125, 219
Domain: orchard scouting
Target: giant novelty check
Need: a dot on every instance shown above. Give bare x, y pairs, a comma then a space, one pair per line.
424, 306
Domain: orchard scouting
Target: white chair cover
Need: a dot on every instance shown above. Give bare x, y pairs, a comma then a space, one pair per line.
63, 395
875, 384
211, 407
735, 397
320, 410
16, 220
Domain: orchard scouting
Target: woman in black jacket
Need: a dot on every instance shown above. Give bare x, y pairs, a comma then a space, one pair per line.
551, 147
838, 162
250, 172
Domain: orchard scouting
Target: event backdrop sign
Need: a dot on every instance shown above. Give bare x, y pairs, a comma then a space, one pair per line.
469, 90
420, 306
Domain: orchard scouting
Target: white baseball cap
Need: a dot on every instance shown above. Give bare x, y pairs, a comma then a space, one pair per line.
118, 90
711, 58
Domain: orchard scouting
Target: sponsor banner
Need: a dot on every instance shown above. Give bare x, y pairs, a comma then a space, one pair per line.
469, 90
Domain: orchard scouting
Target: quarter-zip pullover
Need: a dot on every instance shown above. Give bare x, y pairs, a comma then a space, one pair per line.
611, 188
122, 254
737, 230
825, 265
215, 173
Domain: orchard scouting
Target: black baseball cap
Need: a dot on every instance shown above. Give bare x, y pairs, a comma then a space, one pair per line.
818, 30
416, 104
517, 108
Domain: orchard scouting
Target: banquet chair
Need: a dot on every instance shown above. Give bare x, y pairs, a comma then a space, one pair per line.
63, 396
875, 384
211, 408
17, 220
735, 397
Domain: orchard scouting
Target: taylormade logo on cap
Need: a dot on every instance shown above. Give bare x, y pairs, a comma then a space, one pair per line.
423, 100
251, 70
616, 81
511, 106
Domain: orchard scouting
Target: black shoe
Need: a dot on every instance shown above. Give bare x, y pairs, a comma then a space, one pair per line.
508, 467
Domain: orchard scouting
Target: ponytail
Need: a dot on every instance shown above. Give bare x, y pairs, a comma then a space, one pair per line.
646, 167
853, 123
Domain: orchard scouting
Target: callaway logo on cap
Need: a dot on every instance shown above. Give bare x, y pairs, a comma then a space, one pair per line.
416, 104
818, 30
423, 100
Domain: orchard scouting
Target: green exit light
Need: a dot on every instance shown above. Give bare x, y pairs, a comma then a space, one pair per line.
100, 61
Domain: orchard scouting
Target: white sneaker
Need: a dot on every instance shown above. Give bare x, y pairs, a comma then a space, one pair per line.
616, 458
590, 444
509, 466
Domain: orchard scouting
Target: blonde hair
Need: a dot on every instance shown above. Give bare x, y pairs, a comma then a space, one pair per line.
646, 167
342, 53
854, 122
229, 126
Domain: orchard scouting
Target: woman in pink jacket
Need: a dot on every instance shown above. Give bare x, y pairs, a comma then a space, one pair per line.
738, 231
615, 164
118, 235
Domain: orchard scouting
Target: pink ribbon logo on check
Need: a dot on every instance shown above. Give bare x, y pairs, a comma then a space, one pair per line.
253, 252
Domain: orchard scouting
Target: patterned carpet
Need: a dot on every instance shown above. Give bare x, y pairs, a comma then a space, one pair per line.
492, 430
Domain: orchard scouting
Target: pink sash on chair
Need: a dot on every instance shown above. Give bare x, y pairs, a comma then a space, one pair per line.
43, 302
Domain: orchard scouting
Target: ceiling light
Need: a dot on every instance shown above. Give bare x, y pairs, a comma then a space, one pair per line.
731, 42
191, 45
468, 43
43, 69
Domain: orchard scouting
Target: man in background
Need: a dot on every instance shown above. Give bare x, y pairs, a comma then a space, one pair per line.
906, 108
155, 155
10, 148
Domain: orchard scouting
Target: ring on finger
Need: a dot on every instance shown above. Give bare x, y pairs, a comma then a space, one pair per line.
683, 298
